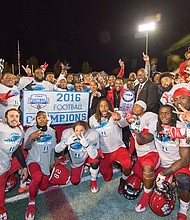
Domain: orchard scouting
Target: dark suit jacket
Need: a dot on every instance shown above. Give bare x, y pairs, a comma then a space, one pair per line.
95, 101
150, 95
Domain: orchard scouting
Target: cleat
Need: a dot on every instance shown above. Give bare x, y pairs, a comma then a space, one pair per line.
143, 203
23, 189
181, 216
30, 211
94, 186
121, 186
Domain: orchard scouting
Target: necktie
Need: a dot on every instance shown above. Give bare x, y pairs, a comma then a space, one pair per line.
138, 91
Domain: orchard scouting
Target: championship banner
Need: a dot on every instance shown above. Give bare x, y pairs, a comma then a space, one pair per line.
127, 101
62, 107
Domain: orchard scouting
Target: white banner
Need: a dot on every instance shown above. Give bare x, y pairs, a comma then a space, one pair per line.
127, 101
62, 107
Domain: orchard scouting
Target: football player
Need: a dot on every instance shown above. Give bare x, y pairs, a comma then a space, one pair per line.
10, 145
109, 124
142, 129
83, 145
40, 142
174, 154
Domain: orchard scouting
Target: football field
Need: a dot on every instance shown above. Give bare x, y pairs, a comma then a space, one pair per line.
78, 203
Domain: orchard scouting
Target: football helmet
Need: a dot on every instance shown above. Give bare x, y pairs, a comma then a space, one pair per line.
11, 183
59, 175
162, 201
133, 187
3, 214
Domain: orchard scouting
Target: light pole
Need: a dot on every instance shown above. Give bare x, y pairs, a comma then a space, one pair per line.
146, 28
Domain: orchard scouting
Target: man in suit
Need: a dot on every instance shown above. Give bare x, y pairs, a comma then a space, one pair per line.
147, 91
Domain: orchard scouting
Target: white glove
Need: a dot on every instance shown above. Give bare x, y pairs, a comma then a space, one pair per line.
135, 126
83, 141
71, 139
159, 180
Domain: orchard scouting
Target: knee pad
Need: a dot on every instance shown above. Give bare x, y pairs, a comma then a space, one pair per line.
94, 165
183, 182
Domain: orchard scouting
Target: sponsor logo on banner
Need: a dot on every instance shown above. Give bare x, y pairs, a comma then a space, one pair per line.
38, 101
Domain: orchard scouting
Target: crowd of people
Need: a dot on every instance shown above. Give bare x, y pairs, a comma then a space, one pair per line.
149, 143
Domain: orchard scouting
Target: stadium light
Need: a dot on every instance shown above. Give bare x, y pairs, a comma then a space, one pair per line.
146, 28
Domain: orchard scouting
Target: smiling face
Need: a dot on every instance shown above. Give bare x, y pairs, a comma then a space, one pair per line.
93, 86
41, 119
165, 115
142, 75
12, 118
8, 80
167, 83
118, 84
183, 100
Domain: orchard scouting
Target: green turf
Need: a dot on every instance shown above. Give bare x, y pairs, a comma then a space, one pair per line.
106, 204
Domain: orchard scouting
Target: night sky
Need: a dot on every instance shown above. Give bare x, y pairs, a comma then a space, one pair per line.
99, 32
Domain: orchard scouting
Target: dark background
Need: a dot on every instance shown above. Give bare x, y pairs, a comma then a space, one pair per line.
99, 32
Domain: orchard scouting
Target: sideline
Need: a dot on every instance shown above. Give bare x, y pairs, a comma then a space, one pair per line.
51, 188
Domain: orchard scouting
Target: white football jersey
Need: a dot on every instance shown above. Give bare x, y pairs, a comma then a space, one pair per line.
77, 152
10, 140
42, 151
148, 123
37, 86
168, 149
110, 133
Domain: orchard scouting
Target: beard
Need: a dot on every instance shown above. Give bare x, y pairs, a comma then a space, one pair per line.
168, 88
38, 80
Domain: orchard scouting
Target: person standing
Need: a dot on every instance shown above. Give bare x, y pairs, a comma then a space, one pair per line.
147, 91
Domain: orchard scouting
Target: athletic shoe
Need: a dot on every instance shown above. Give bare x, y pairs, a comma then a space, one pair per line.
143, 202
23, 189
121, 186
93, 186
30, 211
181, 216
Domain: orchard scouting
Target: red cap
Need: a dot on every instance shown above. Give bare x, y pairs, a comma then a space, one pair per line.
181, 91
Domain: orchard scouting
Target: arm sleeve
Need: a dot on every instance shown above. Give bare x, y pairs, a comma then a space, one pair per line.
121, 72
60, 147
20, 157
92, 151
28, 144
